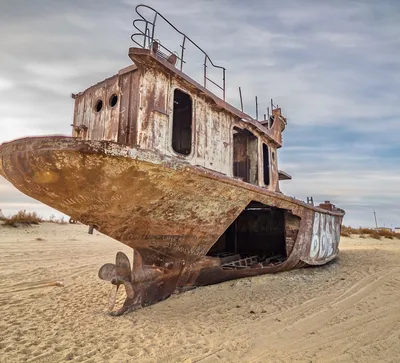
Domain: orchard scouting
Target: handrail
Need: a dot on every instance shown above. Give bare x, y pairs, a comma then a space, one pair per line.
148, 39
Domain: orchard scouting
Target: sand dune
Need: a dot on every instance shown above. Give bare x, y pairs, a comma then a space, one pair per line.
53, 308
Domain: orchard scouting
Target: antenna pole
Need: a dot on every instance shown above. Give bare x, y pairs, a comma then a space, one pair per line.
256, 109
241, 99
376, 223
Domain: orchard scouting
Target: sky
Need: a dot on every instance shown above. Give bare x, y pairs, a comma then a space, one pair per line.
333, 67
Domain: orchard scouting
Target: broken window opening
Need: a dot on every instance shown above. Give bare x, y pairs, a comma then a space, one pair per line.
256, 239
266, 164
182, 123
99, 105
113, 100
245, 155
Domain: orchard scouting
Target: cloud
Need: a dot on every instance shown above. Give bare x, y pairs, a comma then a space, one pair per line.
334, 68
5, 84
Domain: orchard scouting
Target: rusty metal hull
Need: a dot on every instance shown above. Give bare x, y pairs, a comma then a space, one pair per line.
169, 211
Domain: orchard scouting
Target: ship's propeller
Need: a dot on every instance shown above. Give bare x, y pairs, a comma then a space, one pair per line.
142, 284
118, 274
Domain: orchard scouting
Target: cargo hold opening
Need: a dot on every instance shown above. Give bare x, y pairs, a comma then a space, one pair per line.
255, 239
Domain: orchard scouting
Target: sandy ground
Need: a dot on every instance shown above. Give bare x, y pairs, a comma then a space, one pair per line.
345, 312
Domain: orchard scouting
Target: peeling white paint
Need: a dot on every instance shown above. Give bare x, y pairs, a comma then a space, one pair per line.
325, 237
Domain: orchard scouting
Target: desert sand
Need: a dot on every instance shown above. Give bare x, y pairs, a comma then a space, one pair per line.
347, 311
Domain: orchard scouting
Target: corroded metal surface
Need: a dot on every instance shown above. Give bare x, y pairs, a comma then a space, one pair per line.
170, 212
97, 117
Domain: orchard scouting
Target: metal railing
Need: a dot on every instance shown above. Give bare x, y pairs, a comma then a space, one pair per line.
147, 32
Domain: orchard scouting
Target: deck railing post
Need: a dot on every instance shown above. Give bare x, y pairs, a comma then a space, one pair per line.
183, 48
145, 34
223, 82
205, 71
154, 26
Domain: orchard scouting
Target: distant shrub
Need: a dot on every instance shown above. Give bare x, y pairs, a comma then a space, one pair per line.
54, 219
28, 218
370, 232
346, 231
366, 230
61, 220
375, 234
22, 217
386, 233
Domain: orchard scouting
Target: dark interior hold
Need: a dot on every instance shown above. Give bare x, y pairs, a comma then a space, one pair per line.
182, 123
245, 155
255, 239
266, 164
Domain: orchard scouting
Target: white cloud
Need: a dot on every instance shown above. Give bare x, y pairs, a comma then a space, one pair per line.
5, 84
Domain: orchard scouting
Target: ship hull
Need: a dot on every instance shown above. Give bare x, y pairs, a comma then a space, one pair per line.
170, 212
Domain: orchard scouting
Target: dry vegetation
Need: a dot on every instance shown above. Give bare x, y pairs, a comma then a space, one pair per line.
28, 218
347, 231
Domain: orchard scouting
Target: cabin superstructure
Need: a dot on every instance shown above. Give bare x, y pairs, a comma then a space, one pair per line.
153, 105
162, 164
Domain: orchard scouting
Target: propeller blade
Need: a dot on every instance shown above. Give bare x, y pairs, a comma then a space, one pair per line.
123, 266
112, 297
137, 261
107, 272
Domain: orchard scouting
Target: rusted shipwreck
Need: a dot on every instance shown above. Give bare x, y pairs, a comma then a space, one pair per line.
160, 163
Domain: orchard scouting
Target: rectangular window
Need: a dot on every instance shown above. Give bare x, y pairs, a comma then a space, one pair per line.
266, 164
245, 155
182, 123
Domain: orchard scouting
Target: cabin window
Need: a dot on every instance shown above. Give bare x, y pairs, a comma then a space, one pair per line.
113, 100
245, 155
266, 164
182, 121
99, 105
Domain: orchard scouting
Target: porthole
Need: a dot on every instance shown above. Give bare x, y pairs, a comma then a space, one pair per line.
99, 105
113, 100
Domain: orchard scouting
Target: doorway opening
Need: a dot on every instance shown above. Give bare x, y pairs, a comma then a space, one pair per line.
182, 121
257, 238
266, 165
245, 155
